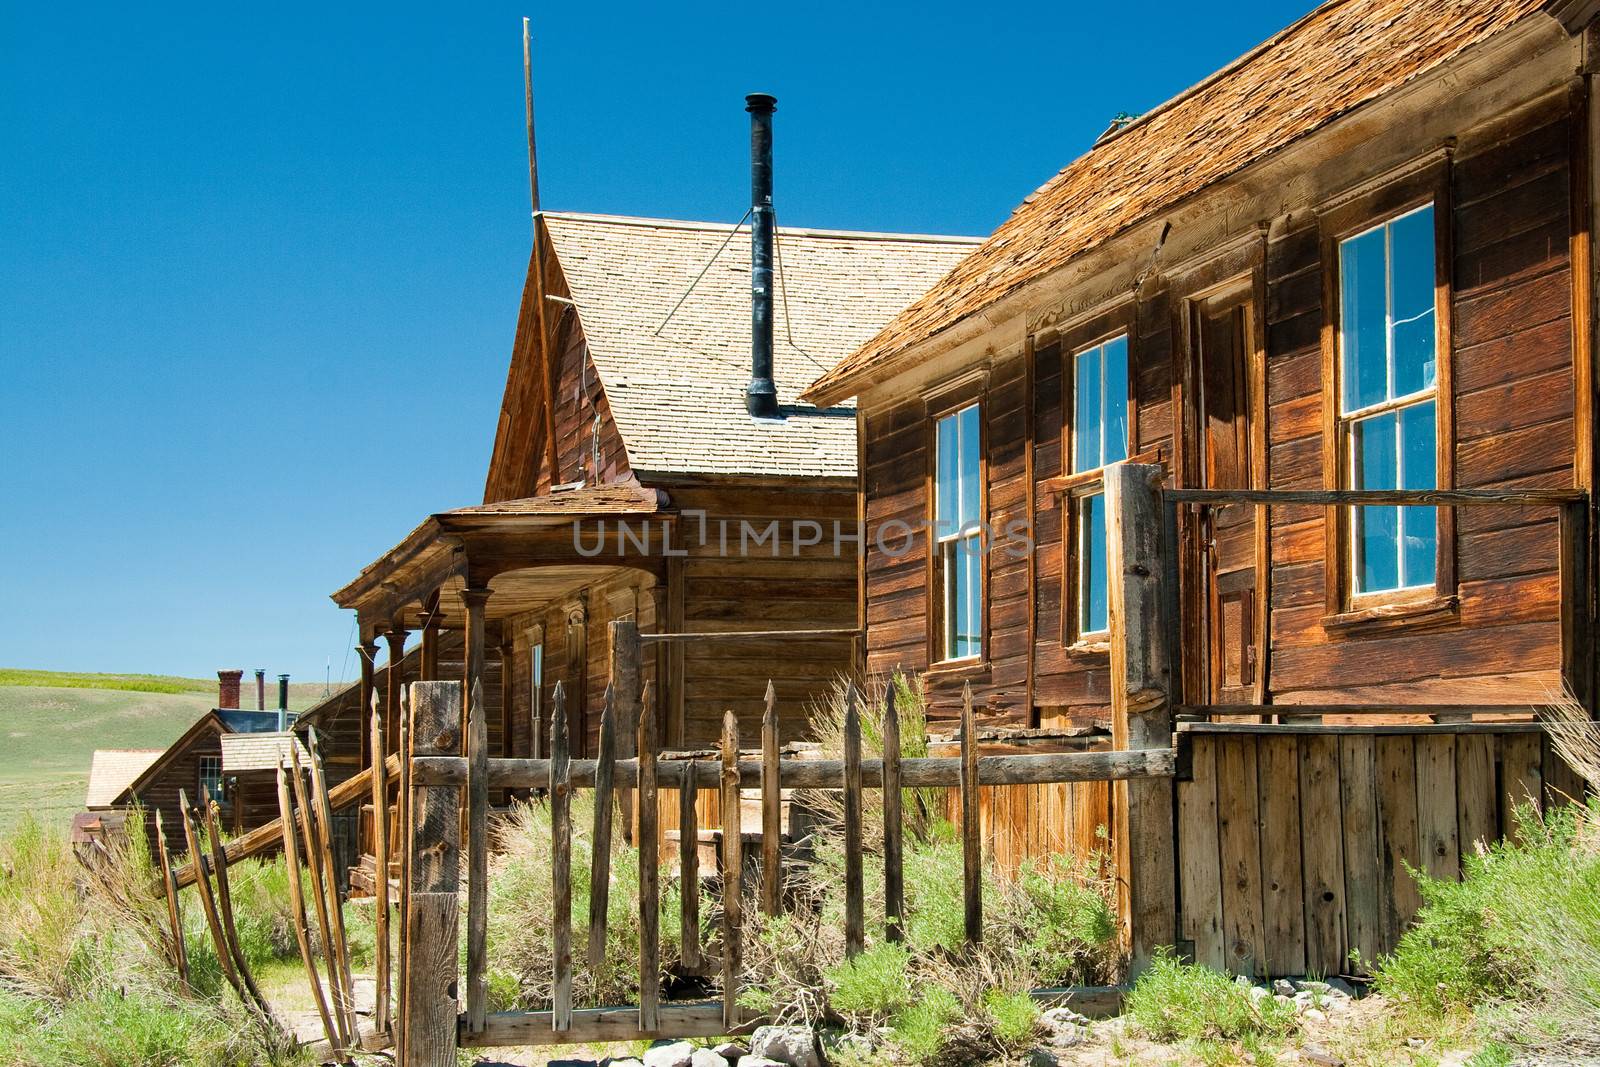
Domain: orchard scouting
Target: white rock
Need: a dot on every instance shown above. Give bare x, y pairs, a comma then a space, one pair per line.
1039, 1057
1283, 987
704, 1057
623, 1061
758, 1061
730, 1051
1315, 1015
1257, 994
1281, 999
1063, 1017
669, 1054
793, 1045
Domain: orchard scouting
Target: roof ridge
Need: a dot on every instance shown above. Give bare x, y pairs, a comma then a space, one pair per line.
788, 231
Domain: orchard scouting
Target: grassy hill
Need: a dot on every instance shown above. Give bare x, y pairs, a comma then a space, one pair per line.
51, 723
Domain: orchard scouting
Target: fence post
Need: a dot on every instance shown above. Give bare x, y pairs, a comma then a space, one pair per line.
1141, 707
627, 656
433, 860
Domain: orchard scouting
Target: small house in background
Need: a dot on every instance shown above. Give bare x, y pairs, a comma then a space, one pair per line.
153, 778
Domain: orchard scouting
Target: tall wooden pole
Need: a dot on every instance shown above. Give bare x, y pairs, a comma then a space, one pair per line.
394, 678
546, 363
473, 601
433, 859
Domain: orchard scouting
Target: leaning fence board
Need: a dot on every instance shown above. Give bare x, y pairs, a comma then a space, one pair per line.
343, 1012
971, 821
649, 871
1323, 853
560, 867
225, 905
854, 907
1200, 873
1436, 807
322, 813
169, 883
1282, 888
433, 850
771, 809
1363, 904
732, 872
302, 922
208, 903
600, 851
1240, 844
894, 879
688, 874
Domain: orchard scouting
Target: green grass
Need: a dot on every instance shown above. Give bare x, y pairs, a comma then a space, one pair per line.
51, 723
1215, 1018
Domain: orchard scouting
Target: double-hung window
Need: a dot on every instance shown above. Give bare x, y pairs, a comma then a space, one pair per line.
1388, 397
958, 534
1099, 437
210, 778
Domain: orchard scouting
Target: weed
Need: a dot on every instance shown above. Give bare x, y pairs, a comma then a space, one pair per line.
1179, 1002
873, 985
920, 1028
1015, 1018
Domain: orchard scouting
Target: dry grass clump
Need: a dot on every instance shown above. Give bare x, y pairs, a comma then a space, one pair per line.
522, 901
85, 974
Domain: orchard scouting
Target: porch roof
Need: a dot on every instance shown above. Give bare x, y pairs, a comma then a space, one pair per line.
446, 549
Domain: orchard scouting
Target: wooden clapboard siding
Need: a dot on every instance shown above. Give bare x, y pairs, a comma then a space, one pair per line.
1293, 849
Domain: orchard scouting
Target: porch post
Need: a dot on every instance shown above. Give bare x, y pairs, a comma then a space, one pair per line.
1141, 705
432, 860
473, 601
396, 637
366, 653
428, 667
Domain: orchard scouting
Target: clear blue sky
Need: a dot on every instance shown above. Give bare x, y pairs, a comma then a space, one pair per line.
259, 266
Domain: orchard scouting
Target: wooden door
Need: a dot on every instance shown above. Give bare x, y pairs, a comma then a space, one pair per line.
1227, 534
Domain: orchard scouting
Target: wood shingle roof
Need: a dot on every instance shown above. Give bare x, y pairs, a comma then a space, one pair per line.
1340, 56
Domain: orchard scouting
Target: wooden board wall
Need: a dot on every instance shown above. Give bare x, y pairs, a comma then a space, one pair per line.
1513, 392
1292, 849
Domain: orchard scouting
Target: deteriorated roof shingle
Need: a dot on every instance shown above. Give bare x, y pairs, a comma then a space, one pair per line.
112, 770
675, 379
1341, 55
261, 752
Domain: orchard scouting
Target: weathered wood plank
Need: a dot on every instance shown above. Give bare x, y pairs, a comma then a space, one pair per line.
208, 903
600, 852
560, 866
322, 813
1436, 806
380, 893
1477, 802
971, 822
688, 873
430, 936
1141, 709
343, 1011
1282, 865
923, 772
1323, 852
1200, 873
597, 1026
1521, 779
473, 601
1358, 778
169, 884
732, 872
894, 878
1239, 840
649, 871
854, 890
230, 931
771, 808
1397, 829
302, 922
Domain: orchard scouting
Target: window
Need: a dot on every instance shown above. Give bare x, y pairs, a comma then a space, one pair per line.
1099, 437
958, 530
210, 781
1388, 397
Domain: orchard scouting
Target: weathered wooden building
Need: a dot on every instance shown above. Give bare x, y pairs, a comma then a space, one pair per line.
648, 467
1359, 257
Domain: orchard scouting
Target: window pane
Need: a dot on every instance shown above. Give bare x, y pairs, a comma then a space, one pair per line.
1362, 313
970, 470
1092, 616
1116, 401
947, 488
1418, 470
1411, 272
1375, 533
963, 598
1087, 385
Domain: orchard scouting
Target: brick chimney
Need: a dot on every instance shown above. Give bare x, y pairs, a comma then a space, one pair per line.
228, 688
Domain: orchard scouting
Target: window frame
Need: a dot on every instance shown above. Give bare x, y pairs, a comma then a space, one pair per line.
1428, 183
200, 779
1120, 321
953, 398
